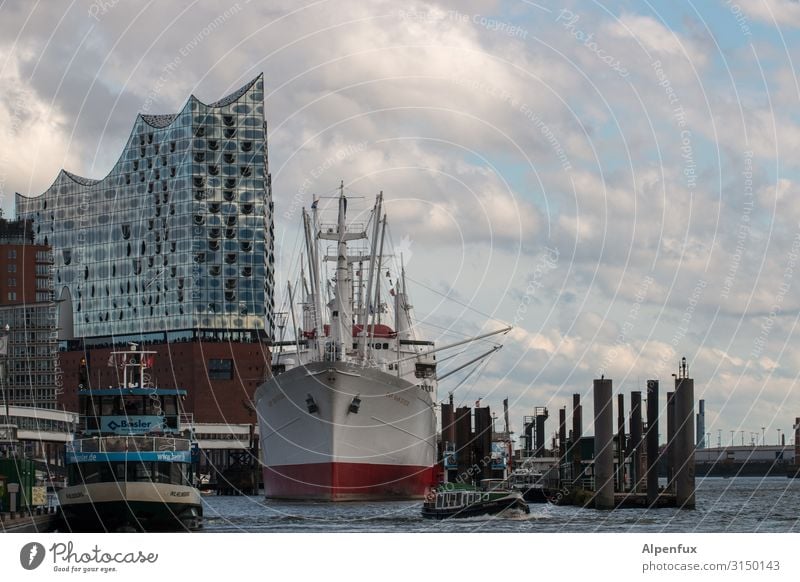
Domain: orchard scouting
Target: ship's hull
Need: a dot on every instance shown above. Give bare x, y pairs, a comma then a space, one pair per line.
333, 431
120, 506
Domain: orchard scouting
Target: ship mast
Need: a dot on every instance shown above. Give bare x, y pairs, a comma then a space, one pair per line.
342, 312
312, 252
368, 293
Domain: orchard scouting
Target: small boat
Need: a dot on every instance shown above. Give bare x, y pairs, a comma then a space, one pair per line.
129, 468
530, 484
491, 498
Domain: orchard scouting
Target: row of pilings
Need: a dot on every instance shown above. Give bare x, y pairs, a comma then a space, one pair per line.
619, 469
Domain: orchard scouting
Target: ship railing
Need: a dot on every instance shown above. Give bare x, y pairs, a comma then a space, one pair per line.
186, 419
119, 444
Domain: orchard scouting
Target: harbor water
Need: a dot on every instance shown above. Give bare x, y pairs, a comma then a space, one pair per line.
740, 504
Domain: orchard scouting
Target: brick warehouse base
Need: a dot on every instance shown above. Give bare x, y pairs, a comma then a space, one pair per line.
182, 365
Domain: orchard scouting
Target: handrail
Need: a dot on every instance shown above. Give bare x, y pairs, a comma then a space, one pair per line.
110, 444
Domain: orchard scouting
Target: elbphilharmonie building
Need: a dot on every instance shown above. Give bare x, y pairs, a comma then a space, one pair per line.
173, 248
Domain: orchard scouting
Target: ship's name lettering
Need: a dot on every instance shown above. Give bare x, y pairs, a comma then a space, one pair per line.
398, 399
179, 494
74, 495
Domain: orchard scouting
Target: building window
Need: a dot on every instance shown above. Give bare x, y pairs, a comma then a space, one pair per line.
220, 369
12, 296
12, 268
12, 282
12, 254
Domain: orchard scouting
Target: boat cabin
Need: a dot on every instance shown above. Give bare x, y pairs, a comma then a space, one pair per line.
456, 499
128, 411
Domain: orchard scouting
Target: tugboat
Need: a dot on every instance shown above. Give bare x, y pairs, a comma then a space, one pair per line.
490, 498
530, 484
129, 465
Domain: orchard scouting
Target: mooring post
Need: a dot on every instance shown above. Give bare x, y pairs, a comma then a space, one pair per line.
652, 442
620, 442
603, 445
671, 445
577, 431
562, 440
635, 446
684, 439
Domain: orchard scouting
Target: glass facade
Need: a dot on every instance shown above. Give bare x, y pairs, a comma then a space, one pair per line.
30, 367
178, 236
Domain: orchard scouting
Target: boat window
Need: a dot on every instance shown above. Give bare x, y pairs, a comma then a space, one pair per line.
440, 501
140, 471
170, 405
459, 499
162, 472
179, 474
134, 405
93, 473
106, 405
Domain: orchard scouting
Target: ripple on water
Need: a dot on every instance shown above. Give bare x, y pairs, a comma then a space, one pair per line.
744, 504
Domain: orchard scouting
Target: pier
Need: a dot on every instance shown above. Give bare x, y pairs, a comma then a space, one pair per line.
32, 520
618, 466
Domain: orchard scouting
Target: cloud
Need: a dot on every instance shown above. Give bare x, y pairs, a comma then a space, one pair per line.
489, 147
778, 12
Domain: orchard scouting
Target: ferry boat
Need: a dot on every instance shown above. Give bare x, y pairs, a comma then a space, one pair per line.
350, 411
491, 498
129, 465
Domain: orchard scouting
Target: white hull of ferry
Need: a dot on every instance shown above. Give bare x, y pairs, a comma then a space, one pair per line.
141, 506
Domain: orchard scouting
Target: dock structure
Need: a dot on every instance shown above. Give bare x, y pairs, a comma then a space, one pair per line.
31, 520
635, 443
652, 442
684, 439
617, 469
603, 445
577, 432
562, 435
670, 446
796, 471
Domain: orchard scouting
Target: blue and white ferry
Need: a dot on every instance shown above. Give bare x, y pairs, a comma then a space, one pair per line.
129, 467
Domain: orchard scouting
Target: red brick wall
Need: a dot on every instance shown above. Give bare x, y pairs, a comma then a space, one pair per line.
184, 365
25, 274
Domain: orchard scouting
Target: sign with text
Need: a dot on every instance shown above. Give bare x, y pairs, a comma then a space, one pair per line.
131, 424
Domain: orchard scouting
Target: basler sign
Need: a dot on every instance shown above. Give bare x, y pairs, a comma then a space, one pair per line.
131, 424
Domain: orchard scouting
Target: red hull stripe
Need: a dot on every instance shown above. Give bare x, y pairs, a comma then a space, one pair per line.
347, 481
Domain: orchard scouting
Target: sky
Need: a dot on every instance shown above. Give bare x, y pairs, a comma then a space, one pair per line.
613, 179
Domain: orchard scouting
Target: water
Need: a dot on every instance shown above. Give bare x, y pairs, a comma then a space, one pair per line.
741, 504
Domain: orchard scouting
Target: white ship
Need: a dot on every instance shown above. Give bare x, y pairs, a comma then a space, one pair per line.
350, 412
